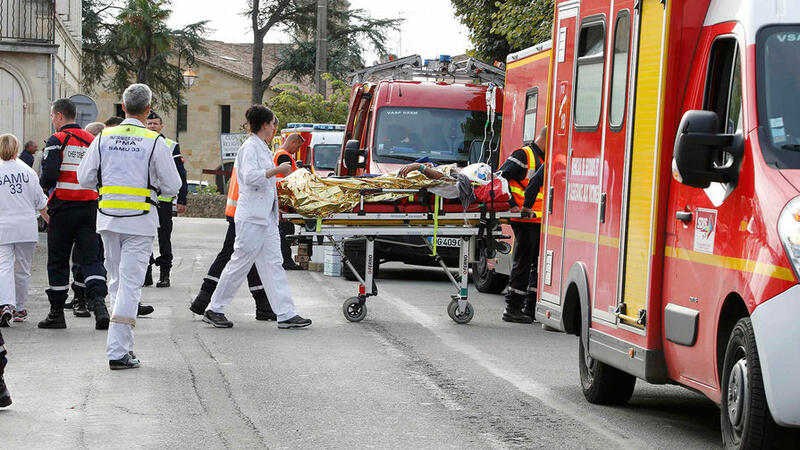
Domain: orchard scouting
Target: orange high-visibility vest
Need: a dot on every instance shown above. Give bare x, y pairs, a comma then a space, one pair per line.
518, 189
280, 153
233, 194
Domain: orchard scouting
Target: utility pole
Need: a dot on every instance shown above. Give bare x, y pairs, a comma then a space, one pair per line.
322, 45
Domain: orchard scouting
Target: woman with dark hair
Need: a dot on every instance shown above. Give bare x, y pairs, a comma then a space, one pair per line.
257, 237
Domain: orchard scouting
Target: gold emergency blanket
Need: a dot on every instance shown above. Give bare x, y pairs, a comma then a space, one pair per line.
312, 196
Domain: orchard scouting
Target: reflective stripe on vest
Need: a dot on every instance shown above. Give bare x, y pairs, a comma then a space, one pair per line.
74, 147
517, 189
121, 204
280, 153
233, 194
124, 164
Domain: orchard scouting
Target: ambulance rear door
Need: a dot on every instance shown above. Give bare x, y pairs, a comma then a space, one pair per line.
557, 152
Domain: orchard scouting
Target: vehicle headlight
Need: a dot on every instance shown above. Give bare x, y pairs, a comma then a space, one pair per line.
789, 232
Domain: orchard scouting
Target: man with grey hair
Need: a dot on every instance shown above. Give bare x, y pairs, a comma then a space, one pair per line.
130, 166
95, 128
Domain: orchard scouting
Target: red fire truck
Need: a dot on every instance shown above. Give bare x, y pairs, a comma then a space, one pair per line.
524, 107
408, 109
671, 238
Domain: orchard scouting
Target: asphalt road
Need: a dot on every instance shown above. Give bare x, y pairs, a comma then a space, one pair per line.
405, 377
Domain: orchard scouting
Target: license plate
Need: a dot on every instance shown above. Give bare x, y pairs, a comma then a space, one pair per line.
446, 241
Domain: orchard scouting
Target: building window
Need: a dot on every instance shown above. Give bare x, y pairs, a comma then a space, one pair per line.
529, 124
182, 117
118, 110
225, 118
589, 83
619, 70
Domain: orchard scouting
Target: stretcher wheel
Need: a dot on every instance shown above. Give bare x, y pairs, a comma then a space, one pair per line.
354, 310
463, 317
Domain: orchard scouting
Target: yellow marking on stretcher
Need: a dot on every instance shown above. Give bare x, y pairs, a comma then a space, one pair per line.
583, 236
729, 262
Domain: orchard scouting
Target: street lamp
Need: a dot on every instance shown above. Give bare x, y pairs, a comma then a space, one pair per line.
188, 80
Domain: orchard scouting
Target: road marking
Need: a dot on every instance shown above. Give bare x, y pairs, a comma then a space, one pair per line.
525, 384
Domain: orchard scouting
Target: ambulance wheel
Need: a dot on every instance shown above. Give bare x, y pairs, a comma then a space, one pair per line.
487, 281
601, 383
744, 414
354, 310
460, 317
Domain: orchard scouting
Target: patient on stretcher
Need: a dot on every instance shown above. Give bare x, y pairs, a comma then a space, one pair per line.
462, 189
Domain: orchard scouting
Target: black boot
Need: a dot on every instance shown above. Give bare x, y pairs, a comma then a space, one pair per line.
144, 310
514, 314
79, 308
54, 319
263, 309
100, 313
200, 303
163, 278
5, 397
148, 276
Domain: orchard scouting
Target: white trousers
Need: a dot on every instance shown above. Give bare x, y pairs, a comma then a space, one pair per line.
126, 262
15, 273
261, 245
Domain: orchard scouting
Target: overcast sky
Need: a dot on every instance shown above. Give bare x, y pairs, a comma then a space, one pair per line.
430, 26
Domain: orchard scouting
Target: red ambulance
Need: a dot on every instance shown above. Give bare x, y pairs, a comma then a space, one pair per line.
671, 237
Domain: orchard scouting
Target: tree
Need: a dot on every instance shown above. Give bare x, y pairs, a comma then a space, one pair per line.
290, 104
349, 31
497, 28
137, 46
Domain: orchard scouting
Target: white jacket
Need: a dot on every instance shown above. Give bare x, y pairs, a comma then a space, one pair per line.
20, 198
258, 196
163, 176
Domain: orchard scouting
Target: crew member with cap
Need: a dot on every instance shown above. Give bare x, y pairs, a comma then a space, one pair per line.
130, 166
524, 170
72, 209
286, 154
200, 303
257, 239
164, 260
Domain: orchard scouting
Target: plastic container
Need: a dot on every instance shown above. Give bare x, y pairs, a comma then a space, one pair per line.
332, 262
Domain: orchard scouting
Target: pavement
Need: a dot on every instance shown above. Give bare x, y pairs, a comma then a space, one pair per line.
405, 377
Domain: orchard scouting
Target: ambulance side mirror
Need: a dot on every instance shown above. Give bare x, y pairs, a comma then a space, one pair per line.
703, 155
354, 156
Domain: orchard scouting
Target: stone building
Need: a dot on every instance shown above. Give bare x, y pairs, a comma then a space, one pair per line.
215, 103
40, 60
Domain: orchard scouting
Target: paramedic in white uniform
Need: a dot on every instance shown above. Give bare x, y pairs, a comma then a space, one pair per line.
20, 198
257, 238
130, 166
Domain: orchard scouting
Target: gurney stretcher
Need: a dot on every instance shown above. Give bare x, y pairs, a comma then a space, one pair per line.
370, 221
